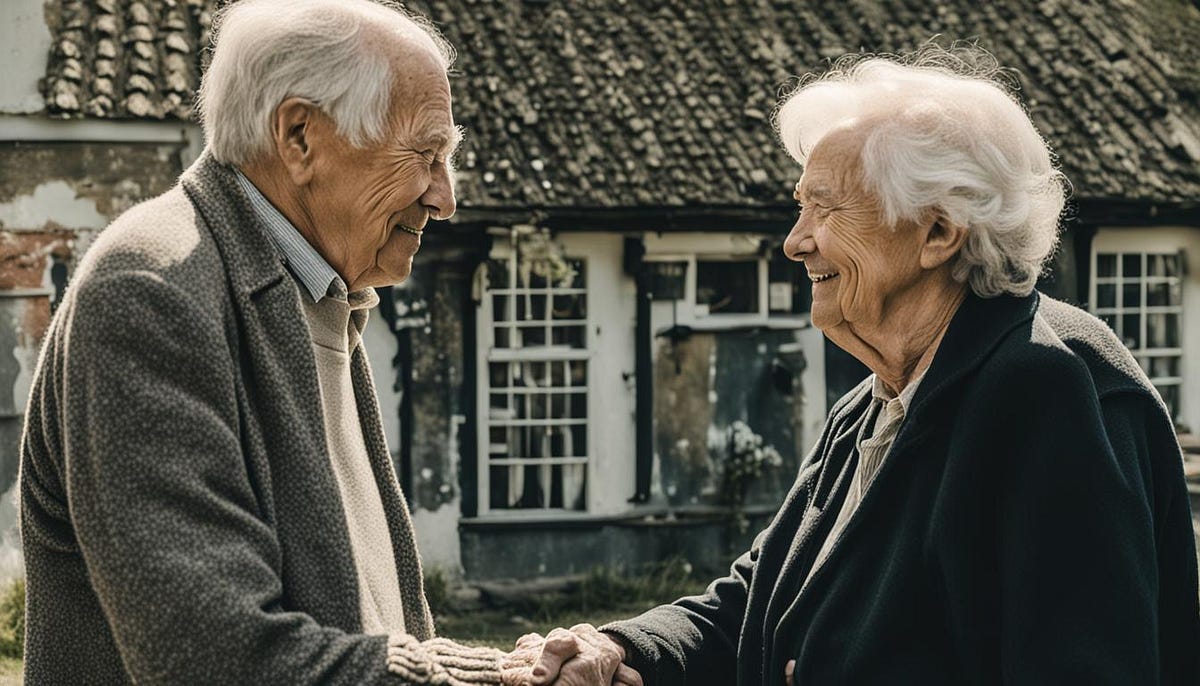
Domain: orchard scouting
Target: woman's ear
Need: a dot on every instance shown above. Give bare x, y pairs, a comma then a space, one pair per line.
943, 240
291, 129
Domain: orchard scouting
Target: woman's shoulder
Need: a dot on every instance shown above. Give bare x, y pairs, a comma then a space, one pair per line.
1064, 351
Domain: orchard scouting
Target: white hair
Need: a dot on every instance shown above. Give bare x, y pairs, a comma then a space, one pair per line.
327, 51
943, 134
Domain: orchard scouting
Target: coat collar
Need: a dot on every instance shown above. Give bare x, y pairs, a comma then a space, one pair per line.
974, 332
251, 259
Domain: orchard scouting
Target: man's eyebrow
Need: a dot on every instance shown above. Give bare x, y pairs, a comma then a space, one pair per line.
440, 140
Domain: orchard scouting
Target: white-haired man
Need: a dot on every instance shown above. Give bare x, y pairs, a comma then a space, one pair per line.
1002, 501
206, 494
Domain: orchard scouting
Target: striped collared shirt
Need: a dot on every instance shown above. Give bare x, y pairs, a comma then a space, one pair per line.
306, 264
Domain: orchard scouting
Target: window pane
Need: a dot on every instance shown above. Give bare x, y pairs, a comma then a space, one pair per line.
1131, 332
1131, 295
727, 286
1163, 294
1164, 366
1106, 295
1111, 320
501, 337
1162, 331
1131, 265
573, 336
1163, 264
568, 307
532, 336
498, 374
1106, 264
790, 291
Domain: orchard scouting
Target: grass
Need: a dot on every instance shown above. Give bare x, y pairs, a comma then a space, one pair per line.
603, 595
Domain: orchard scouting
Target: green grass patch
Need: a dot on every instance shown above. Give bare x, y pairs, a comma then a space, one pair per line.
12, 620
602, 596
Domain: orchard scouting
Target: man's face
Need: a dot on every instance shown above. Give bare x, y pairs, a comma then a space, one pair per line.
369, 205
857, 263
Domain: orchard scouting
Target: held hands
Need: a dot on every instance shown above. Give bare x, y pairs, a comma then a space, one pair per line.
581, 656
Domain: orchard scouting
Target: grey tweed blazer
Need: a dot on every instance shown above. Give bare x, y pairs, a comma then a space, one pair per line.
180, 519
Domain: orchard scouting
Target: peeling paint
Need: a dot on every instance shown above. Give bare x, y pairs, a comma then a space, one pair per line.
51, 204
102, 180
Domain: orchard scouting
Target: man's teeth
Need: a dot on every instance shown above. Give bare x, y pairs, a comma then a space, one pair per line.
409, 229
817, 278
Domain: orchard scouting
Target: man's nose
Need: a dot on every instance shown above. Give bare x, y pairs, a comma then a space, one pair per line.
799, 243
439, 197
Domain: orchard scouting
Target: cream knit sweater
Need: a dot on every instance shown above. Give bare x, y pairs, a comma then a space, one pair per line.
335, 335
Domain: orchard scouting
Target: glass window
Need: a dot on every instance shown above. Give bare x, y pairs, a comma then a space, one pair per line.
728, 286
1140, 296
536, 386
789, 290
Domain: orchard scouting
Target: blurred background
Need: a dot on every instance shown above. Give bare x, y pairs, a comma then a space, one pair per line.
602, 371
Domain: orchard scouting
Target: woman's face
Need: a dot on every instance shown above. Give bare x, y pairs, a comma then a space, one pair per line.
857, 264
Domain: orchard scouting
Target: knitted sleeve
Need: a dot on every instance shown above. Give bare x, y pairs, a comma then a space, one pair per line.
443, 662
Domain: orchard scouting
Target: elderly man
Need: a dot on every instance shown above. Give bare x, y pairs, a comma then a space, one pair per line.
206, 494
1002, 500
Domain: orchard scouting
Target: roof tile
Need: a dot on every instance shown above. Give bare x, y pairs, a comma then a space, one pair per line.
656, 103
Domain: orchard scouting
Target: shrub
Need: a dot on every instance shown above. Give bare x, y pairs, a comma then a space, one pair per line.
12, 619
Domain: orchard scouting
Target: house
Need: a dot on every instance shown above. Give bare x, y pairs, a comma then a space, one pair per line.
607, 323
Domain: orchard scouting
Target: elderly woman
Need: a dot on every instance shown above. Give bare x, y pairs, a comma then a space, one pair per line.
1002, 500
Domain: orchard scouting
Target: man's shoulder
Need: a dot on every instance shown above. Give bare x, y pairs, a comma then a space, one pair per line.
163, 237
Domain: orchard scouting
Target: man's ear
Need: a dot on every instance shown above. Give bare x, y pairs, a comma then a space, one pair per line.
943, 240
291, 128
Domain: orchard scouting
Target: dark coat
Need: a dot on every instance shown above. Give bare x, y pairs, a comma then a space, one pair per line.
180, 518
1031, 525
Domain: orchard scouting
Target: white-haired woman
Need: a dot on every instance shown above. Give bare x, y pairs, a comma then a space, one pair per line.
1002, 500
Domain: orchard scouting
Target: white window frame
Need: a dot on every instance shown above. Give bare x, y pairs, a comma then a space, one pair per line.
691, 248
487, 353
1145, 242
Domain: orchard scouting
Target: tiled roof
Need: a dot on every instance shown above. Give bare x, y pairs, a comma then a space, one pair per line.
635, 103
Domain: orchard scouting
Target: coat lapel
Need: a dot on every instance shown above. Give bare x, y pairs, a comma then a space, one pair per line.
283, 429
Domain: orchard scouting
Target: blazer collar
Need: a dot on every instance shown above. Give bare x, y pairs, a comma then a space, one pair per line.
251, 259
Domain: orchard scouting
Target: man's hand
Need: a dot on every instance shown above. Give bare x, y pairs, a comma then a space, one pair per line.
788, 670
579, 657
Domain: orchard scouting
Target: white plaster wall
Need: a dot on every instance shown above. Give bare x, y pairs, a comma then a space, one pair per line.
380, 345
24, 48
612, 314
51, 203
437, 539
1170, 239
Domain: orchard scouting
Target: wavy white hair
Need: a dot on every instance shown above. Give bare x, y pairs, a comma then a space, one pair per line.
265, 51
943, 133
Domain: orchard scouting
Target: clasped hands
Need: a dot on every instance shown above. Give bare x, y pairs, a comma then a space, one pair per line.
579, 656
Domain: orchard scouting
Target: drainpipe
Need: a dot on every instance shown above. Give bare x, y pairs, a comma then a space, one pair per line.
643, 371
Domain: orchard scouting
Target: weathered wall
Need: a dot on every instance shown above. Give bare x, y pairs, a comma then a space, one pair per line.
430, 308
705, 382
24, 47
54, 197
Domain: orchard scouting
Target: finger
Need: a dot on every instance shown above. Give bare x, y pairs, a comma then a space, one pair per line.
628, 676
530, 640
610, 653
560, 646
788, 670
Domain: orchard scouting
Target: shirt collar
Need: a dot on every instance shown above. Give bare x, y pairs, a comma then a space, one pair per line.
880, 391
306, 264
